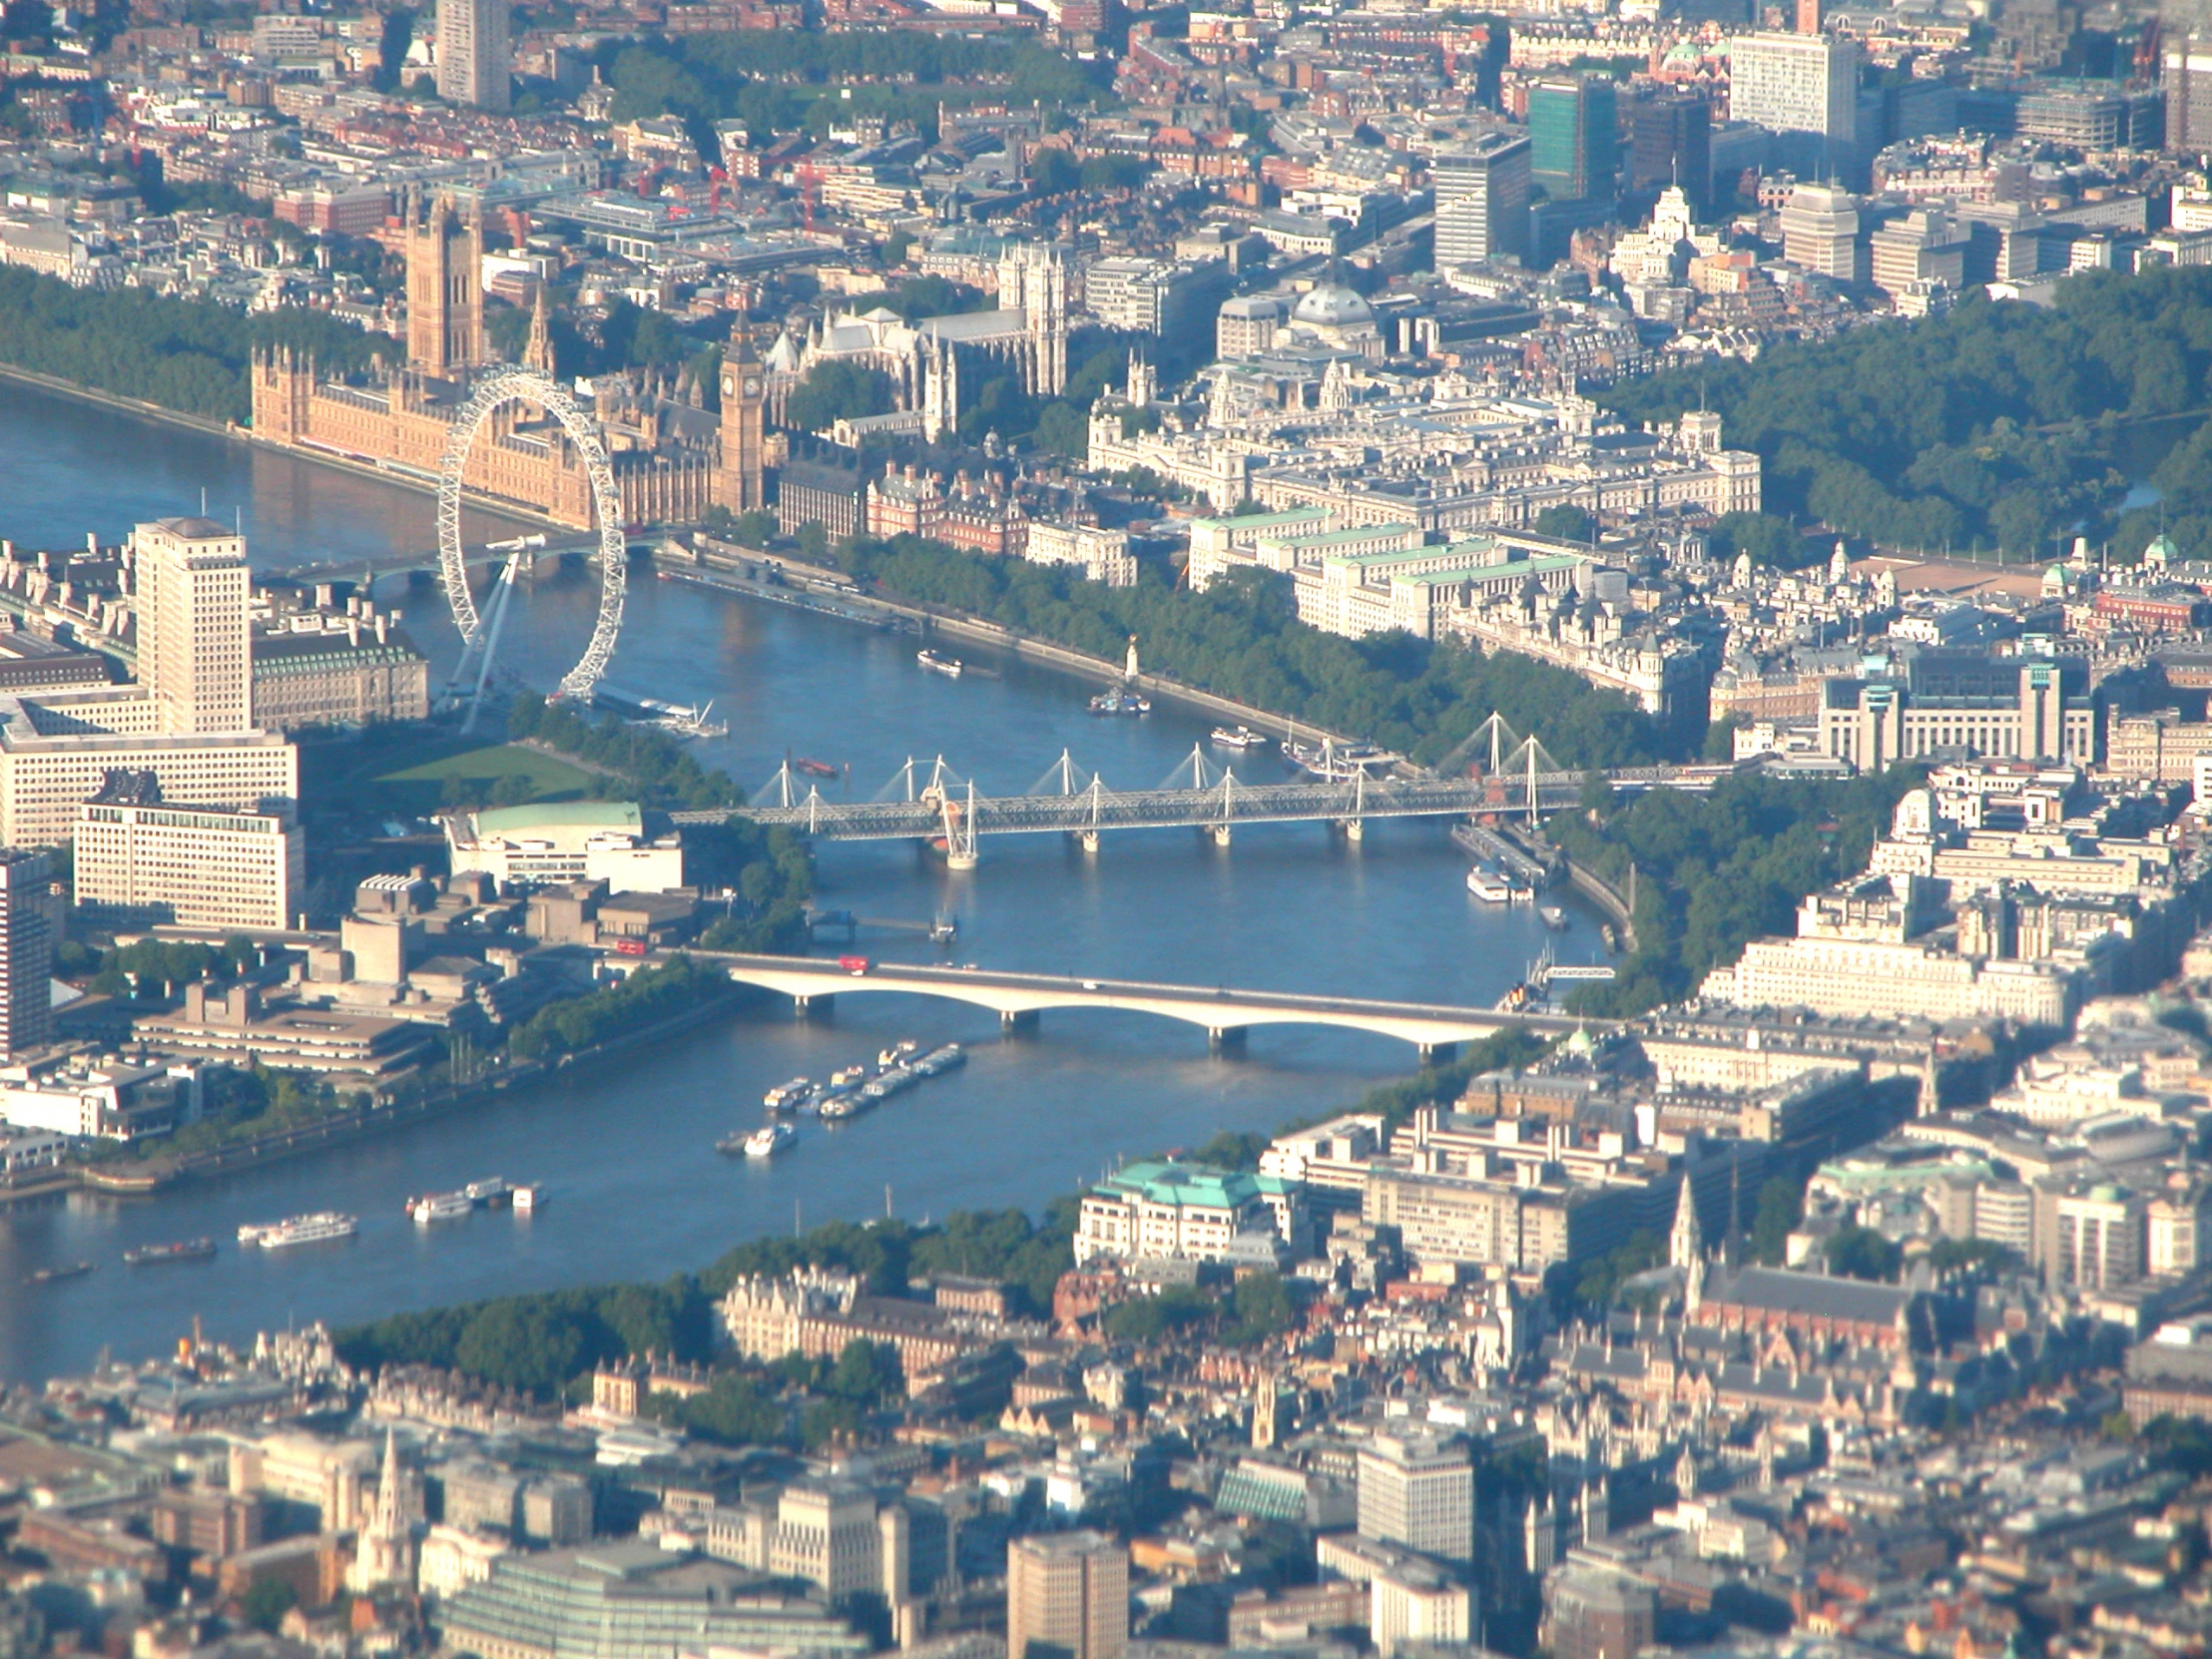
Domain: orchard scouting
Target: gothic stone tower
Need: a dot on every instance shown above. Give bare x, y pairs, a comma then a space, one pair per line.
283, 388
743, 485
445, 296
1034, 280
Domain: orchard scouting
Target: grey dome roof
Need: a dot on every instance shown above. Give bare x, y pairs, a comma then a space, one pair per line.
1332, 305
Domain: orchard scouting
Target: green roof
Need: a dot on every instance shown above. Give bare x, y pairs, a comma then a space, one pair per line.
1340, 538
1162, 1181
561, 815
1261, 1491
1260, 521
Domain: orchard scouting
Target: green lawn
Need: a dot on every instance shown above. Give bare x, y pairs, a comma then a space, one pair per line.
422, 787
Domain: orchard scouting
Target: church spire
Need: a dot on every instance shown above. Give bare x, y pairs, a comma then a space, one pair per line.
1686, 1245
537, 351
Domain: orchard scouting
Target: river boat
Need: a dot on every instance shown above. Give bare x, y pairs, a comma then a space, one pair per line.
770, 1139
1238, 737
846, 1103
1489, 885
788, 1097
845, 1077
898, 1053
814, 768
188, 1250
72, 1270
1555, 918
528, 1196
493, 1190
439, 1207
949, 1058
320, 1228
1120, 702
1336, 762
937, 662
681, 720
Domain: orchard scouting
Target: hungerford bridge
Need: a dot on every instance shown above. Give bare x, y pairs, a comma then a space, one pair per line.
929, 803
1225, 1013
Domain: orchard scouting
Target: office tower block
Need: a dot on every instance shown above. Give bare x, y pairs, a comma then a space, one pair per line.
194, 656
1418, 1490
1483, 200
2188, 83
1805, 90
1820, 232
26, 952
1067, 1597
1574, 137
474, 58
445, 290
1670, 143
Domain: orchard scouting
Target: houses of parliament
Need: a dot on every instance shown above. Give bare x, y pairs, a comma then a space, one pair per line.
673, 459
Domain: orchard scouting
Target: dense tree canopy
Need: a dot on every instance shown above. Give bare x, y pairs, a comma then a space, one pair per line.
650, 995
650, 764
1714, 871
1242, 638
837, 391
189, 355
540, 1344
1997, 425
781, 80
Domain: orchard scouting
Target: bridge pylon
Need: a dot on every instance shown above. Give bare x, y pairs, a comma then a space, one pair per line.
960, 847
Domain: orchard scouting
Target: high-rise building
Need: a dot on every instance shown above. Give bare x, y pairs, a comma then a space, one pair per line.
1574, 137
1483, 200
2188, 83
193, 639
1418, 1490
195, 866
1820, 232
1923, 245
475, 62
1805, 90
445, 294
1669, 144
1246, 324
1600, 1615
743, 453
1413, 1604
1067, 1597
26, 952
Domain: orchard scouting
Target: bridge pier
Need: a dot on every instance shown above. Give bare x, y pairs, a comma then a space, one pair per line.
1014, 1022
1225, 1040
1354, 828
1220, 833
1436, 1053
961, 857
820, 1006
1087, 840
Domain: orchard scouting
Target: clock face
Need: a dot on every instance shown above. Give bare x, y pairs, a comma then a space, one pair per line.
728, 386
752, 389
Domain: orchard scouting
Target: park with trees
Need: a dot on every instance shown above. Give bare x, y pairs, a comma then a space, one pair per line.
1996, 426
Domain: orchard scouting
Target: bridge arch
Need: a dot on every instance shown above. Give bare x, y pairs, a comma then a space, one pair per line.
1219, 1016
495, 390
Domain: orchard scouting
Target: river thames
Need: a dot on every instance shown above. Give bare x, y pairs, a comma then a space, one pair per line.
625, 1151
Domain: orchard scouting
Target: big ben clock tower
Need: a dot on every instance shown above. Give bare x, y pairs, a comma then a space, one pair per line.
742, 447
